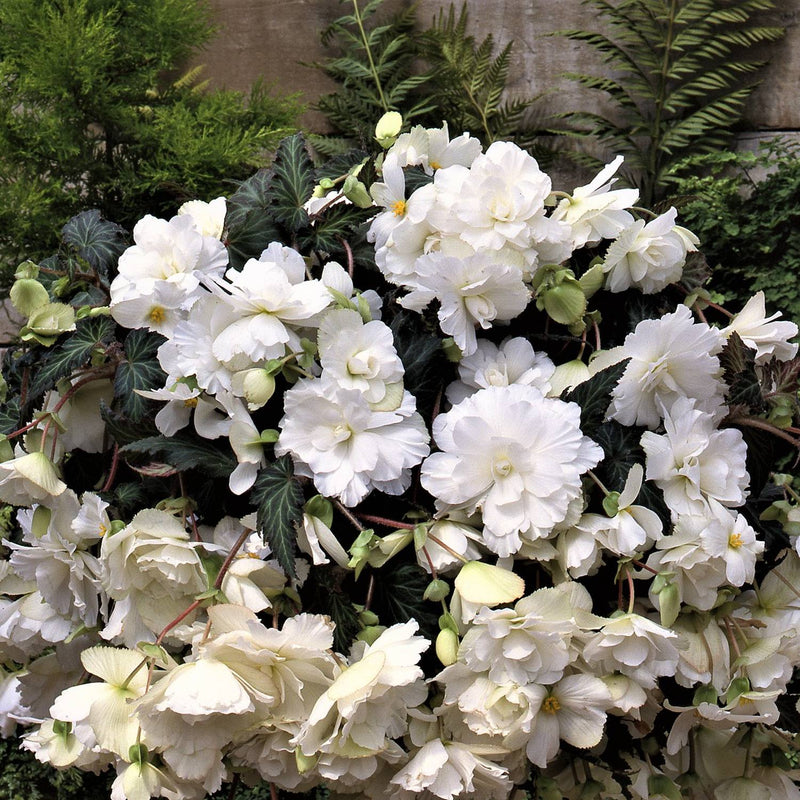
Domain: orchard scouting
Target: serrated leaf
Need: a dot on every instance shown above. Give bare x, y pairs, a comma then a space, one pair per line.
139, 369
738, 371
279, 500
10, 415
335, 224
72, 353
248, 222
594, 396
293, 182
422, 356
399, 598
96, 239
184, 452
122, 430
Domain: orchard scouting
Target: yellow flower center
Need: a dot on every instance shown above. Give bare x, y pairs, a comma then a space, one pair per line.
157, 315
103, 530
190, 402
551, 705
434, 165
399, 208
735, 541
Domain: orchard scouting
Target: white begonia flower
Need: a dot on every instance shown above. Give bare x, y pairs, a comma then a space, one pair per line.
347, 448
579, 547
432, 149
153, 572
670, 357
171, 251
648, 256
390, 193
697, 574
29, 478
208, 218
270, 297
768, 337
368, 701
188, 352
54, 742
514, 455
633, 528
470, 291
160, 309
499, 199
594, 211
359, 355
104, 706
449, 770
529, 643
730, 538
210, 418
84, 428
514, 361
29, 624
340, 285
704, 657
694, 463
247, 445
143, 780
59, 562
317, 539
456, 538
506, 709
636, 647
573, 710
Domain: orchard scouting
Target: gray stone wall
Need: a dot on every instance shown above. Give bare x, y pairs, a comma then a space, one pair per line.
271, 38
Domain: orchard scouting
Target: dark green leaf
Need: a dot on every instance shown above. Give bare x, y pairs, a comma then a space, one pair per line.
422, 356
138, 370
328, 591
279, 498
10, 415
97, 240
293, 182
340, 165
594, 396
185, 452
331, 227
249, 224
738, 371
398, 598
122, 430
72, 353
127, 497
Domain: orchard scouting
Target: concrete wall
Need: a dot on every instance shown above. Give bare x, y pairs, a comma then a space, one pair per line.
271, 37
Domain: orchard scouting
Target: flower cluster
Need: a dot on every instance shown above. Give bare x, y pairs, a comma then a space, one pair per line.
485, 508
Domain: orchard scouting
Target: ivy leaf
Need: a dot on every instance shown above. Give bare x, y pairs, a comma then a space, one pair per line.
293, 182
594, 396
739, 372
279, 499
138, 370
248, 221
97, 240
72, 353
184, 452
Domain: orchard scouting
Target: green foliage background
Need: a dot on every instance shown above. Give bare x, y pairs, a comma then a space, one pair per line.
94, 114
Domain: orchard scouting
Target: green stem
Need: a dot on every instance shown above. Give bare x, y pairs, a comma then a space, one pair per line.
372, 67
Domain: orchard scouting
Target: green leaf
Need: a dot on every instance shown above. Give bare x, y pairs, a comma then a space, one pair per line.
138, 370
185, 452
97, 240
293, 182
122, 430
422, 356
279, 498
72, 353
10, 415
249, 223
323, 593
738, 371
594, 396
399, 598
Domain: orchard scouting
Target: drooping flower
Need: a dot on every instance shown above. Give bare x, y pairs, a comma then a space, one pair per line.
670, 357
347, 448
515, 456
766, 335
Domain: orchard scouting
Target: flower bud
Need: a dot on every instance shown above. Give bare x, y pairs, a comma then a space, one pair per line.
447, 647
488, 585
388, 129
355, 191
255, 385
27, 269
669, 604
436, 590
704, 694
564, 303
